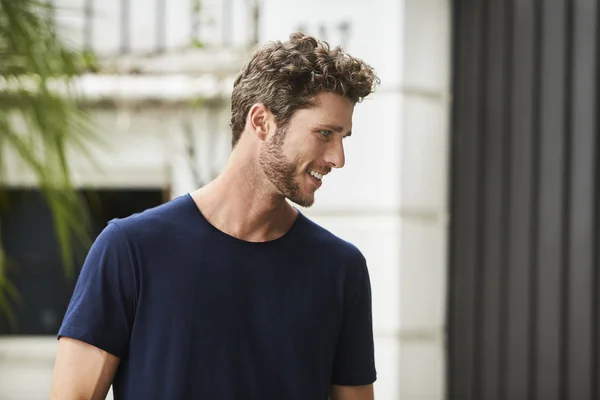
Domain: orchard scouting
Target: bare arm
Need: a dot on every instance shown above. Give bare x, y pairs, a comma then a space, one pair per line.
352, 392
81, 371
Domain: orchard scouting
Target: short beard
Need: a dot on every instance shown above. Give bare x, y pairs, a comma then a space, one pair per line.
283, 174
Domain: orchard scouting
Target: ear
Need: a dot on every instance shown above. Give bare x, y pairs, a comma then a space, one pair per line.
260, 121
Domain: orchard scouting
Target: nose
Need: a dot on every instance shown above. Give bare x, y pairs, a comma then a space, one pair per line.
334, 157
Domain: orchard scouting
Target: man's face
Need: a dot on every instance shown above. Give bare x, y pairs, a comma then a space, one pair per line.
296, 159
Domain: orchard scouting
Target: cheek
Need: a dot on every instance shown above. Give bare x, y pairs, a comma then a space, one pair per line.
303, 149
294, 152
311, 148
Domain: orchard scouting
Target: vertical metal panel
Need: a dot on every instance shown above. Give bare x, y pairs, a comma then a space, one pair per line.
506, 182
478, 205
465, 149
581, 213
596, 263
550, 205
524, 313
457, 384
492, 169
520, 237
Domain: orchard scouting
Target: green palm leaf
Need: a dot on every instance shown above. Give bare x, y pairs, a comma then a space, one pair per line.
41, 125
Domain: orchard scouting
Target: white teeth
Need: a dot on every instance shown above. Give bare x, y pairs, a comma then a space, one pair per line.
316, 175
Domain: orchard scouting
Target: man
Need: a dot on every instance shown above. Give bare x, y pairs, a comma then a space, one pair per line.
230, 292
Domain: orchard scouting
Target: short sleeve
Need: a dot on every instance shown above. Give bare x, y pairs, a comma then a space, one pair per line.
102, 308
354, 362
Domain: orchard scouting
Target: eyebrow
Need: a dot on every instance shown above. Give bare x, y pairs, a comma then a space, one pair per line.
335, 128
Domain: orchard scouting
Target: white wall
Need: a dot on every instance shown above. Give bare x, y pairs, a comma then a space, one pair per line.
145, 148
425, 138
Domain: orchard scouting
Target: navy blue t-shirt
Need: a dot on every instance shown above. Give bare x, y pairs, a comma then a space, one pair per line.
194, 313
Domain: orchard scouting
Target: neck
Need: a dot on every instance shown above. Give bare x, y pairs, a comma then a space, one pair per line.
242, 204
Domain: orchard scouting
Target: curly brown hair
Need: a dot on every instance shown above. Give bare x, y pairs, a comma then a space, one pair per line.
286, 76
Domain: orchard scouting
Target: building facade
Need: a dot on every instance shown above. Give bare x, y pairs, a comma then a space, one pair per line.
161, 101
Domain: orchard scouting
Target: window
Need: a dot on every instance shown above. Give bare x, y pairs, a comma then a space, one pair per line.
29, 239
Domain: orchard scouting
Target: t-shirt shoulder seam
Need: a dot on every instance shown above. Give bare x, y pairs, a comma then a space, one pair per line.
134, 261
118, 226
121, 232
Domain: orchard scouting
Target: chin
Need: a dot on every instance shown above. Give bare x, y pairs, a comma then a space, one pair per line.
305, 202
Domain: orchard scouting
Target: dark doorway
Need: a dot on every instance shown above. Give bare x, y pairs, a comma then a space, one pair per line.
28, 238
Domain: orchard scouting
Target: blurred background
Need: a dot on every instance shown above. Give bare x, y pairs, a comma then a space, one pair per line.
471, 182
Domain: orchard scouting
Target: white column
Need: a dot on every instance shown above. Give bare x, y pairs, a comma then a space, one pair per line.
424, 223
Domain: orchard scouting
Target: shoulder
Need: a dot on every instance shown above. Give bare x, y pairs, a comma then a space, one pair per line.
157, 222
333, 247
128, 241
344, 257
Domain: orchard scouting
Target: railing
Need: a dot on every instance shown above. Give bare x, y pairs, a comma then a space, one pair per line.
126, 27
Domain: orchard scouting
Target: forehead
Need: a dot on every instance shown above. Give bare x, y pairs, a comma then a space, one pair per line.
328, 108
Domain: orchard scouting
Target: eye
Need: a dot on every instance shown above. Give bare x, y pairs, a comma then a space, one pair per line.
325, 132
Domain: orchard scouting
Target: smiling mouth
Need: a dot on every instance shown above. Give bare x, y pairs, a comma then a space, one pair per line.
315, 178
315, 174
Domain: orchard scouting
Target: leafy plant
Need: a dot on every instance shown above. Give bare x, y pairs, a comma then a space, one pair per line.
40, 122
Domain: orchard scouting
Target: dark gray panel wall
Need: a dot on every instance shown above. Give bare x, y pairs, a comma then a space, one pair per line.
524, 314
